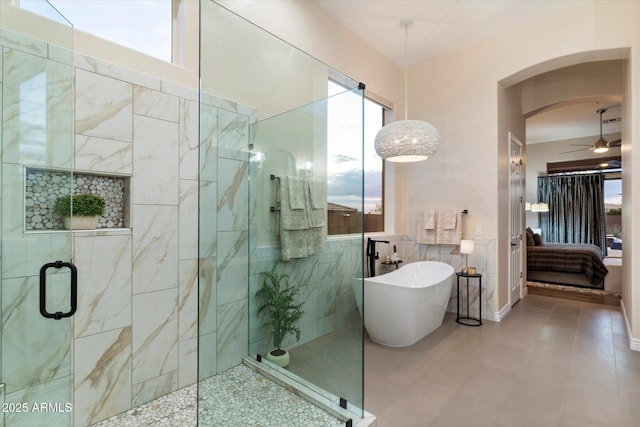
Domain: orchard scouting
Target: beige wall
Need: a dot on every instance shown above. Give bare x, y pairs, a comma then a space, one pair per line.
466, 171
310, 29
457, 93
576, 83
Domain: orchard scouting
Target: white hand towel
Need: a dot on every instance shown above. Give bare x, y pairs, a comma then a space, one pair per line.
317, 194
291, 219
449, 236
430, 220
449, 218
296, 192
425, 236
317, 202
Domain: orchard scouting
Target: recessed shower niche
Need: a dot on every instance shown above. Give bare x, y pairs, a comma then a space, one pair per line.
43, 187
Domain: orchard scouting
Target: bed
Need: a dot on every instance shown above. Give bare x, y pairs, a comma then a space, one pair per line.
578, 264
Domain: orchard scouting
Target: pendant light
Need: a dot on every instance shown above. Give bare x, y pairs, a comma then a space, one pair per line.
407, 140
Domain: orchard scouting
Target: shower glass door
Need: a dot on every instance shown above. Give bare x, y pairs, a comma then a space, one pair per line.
265, 110
36, 274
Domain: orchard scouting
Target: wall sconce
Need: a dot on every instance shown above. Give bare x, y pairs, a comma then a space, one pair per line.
466, 248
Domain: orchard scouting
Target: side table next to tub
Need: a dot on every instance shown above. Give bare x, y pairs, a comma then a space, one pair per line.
467, 319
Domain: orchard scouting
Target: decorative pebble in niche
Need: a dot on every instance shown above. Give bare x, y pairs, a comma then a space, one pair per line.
43, 187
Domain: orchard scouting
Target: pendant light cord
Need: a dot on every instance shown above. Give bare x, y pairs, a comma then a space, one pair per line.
406, 23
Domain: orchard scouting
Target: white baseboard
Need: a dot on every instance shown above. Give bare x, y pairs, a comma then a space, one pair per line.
497, 316
634, 343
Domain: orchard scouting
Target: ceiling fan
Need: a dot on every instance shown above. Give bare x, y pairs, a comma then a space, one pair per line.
602, 164
602, 145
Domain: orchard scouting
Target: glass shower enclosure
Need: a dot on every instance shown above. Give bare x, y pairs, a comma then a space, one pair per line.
265, 120
37, 283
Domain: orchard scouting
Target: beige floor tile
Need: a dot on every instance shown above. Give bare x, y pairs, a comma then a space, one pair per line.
401, 413
466, 410
549, 363
491, 385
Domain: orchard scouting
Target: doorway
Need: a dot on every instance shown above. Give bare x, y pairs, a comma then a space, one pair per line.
535, 90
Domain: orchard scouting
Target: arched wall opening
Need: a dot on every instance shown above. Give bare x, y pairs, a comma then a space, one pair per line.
589, 76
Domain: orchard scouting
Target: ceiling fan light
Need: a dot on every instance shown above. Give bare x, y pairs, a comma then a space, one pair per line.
407, 141
601, 146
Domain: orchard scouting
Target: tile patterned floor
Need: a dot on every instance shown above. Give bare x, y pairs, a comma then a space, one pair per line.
550, 362
237, 397
333, 362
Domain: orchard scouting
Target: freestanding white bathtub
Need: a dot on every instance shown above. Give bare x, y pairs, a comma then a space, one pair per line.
406, 305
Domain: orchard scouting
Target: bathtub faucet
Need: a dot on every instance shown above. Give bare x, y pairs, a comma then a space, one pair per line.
372, 255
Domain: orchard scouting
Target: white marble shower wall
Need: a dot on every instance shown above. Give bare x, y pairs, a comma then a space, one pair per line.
135, 334
224, 228
325, 281
136, 325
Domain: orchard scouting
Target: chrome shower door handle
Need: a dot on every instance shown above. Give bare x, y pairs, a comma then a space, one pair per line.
43, 290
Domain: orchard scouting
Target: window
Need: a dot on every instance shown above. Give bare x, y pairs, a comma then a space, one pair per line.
344, 167
143, 25
613, 210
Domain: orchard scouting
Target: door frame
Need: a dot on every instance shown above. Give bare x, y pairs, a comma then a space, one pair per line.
516, 214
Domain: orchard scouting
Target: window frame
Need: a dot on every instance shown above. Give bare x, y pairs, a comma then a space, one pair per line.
175, 44
386, 114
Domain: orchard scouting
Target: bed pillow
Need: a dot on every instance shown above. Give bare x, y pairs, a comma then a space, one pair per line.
530, 241
538, 239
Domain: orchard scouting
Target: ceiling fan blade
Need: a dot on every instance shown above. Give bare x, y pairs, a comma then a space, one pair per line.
615, 143
575, 151
581, 145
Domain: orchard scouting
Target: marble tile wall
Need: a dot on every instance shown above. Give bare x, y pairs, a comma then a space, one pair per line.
37, 106
141, 318
325, 281
134, 336
137, 327
223, 238
483, 258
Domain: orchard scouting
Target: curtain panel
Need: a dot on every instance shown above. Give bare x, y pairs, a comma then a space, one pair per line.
576, 209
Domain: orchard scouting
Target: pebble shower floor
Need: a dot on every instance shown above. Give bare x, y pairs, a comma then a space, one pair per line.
248, 399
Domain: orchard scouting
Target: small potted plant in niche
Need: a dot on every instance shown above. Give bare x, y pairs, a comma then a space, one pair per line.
86, 210
278, 300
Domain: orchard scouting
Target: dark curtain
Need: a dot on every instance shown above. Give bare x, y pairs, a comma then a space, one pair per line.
576, 209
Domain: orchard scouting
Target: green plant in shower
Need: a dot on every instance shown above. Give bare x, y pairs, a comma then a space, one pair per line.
279, 300
82, 204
